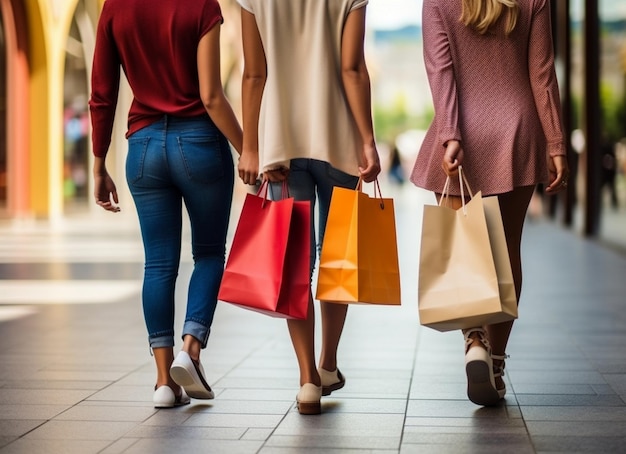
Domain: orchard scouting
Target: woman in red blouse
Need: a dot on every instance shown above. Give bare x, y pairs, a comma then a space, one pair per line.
179, 126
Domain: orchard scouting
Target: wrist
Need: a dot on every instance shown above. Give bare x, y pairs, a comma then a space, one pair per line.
249, 151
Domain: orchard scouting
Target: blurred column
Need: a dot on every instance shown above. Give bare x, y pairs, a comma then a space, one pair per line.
562, 36
17, 121
592, 118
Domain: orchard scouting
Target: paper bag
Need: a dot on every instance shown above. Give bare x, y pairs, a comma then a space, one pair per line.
359, 256
458, 283
500, 251
268, 264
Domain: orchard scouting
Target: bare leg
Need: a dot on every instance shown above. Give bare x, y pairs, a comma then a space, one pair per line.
302, 334
333, 319
513, 206
163, 358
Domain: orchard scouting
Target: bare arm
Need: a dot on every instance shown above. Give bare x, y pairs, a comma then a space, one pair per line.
252, 86
212, 91
356, 83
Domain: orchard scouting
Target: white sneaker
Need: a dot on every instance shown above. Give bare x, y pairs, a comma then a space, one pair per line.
190, 375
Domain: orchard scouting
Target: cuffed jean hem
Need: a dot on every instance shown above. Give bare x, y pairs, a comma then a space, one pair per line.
161, 341
197, 330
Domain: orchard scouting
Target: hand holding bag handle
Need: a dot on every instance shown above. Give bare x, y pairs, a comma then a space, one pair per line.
462, 184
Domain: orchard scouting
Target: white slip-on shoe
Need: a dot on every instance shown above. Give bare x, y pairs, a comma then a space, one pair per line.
190, 375
164, 397
331, 381
308, 399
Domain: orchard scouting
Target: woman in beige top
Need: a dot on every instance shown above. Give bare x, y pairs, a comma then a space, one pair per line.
490, 65
307, 118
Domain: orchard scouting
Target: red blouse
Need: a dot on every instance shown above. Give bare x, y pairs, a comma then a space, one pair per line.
155, 42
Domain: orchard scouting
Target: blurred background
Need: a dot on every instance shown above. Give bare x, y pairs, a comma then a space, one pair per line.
46, 48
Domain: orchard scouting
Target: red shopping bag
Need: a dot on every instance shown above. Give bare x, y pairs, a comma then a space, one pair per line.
268, 265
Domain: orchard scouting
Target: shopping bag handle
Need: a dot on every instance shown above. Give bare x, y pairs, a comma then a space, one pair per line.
264, 189
377, 193
262, 192
463, 183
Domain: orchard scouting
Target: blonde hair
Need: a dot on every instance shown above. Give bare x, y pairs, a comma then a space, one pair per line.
481, 15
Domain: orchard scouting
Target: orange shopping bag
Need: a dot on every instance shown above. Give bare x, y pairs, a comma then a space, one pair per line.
359, 257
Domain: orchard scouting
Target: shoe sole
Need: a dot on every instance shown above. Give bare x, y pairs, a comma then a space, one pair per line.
163, 404
191, 382
177, 404
309, 408
480, 390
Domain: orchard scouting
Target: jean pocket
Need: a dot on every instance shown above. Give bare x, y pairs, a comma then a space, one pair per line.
137, 150
202, 157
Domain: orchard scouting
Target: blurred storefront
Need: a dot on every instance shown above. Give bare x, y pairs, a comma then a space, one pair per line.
45, 53
590, 38
46, 48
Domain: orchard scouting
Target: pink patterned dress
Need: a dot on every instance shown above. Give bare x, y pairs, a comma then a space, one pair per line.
498, 95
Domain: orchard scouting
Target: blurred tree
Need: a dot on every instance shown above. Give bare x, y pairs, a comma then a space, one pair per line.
390, 121
613, 113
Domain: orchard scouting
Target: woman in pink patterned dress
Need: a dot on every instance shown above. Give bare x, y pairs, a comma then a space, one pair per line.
490, 66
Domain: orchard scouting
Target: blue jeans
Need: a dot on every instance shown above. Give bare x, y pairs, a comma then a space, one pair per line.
168, 162
308, 177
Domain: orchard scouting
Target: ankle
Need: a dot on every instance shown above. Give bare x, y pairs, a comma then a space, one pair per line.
476, 342
192, 347
476, 337
313, 378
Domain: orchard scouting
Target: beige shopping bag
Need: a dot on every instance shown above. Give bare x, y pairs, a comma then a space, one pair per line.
462, 254
500, 252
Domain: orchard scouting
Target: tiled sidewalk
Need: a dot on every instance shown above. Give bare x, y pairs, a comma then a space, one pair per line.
77, 378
